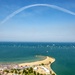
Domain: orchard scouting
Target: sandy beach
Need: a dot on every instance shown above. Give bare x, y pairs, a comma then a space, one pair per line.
45, 61
43, 66
47, 64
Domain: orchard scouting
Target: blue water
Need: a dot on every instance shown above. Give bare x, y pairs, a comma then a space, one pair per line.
64, 53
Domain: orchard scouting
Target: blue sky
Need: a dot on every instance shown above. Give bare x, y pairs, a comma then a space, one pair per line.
39, 23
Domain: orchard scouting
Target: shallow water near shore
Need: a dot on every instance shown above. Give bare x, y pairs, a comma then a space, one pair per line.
19, 52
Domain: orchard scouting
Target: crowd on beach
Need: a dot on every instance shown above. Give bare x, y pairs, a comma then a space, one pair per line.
34, 68
21, 70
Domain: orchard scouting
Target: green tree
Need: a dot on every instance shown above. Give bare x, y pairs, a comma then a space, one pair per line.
38, 73
19, 72
15, 71
25, 71
31, 70
50, 72
34, 72
7, 71
53, 74
12, 71
42, 64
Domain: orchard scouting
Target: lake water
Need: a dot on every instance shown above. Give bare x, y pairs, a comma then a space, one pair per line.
17, 52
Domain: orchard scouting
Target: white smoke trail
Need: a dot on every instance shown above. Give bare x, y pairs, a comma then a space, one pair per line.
29, 6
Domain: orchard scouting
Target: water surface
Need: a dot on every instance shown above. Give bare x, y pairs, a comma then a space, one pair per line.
17, 52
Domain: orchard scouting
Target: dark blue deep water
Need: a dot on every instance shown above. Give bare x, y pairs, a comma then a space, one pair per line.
64, 53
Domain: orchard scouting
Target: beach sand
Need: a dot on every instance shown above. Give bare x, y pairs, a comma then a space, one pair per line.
47, 64
45, 61
43, 66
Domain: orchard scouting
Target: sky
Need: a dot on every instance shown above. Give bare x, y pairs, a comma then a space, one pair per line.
38, 23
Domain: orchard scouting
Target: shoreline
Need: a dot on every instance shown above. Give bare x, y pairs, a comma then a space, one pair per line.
41, 66
47, 63
36, 58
